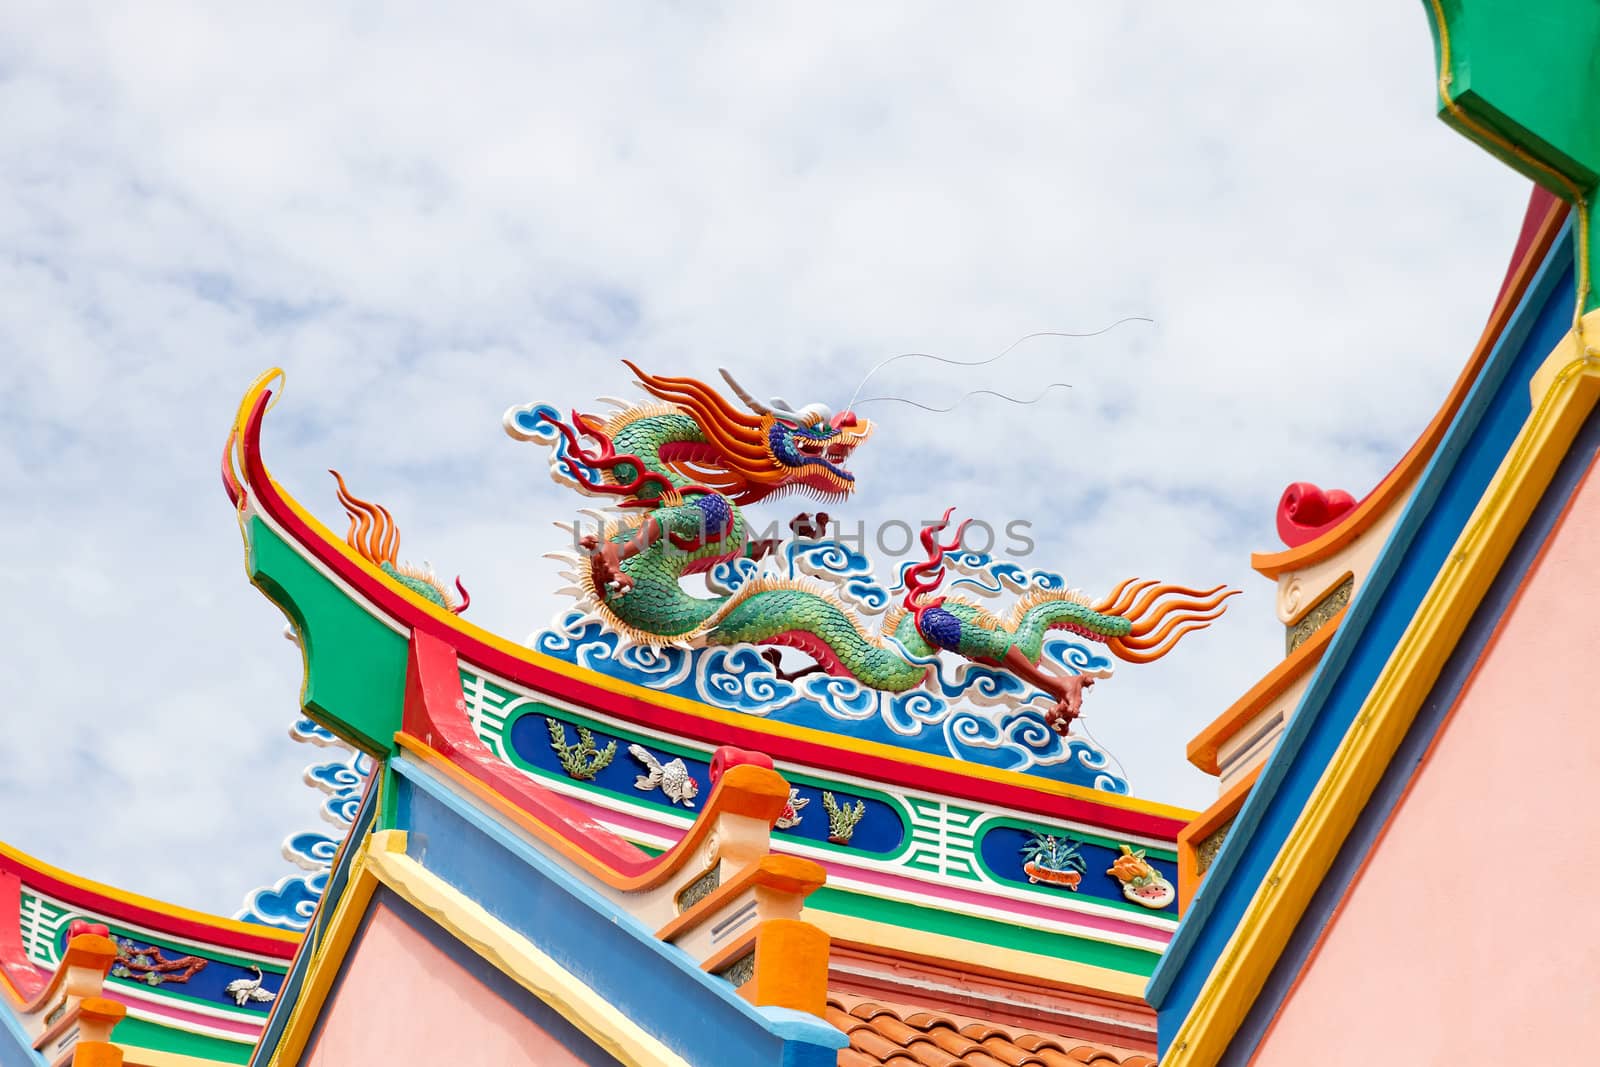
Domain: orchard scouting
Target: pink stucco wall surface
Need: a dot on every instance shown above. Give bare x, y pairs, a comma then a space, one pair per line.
1472, 935
402, 1001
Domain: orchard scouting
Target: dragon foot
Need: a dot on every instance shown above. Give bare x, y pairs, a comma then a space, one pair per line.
1069, 702
605, 561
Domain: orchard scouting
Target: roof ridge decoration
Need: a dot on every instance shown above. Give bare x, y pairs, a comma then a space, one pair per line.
290, 903
680, 468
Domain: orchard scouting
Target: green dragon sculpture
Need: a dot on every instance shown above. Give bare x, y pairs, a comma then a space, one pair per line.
685, 465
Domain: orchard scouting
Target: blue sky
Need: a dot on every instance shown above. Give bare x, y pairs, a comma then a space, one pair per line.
426, 218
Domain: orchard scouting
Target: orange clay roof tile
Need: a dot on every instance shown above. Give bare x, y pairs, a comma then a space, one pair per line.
881, 1037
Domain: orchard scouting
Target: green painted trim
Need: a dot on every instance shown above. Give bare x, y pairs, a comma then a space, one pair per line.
387, 816
533, 706
145, 1034
921, 917
355, 666
1526, 74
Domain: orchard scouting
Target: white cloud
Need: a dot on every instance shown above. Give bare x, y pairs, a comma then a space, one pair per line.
426, 217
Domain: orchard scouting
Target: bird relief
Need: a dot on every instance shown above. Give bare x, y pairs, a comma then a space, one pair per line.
1053, 861
248, 990
1141, 883
672, 779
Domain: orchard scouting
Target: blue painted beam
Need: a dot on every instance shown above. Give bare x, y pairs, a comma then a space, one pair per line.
658, 986
1425, 533
1408, 757
15, 1048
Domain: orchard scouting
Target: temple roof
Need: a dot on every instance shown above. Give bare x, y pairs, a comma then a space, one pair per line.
880, 1035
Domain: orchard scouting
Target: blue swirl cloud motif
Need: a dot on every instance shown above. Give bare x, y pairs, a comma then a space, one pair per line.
844, 699
728, 577
846, 568
907, 713
738, 679
993, 577
1075, 655
1021, 740
310, 850
340, 776
583, 640
986, 685
1097, 762
537, 422
288, 905
866, 594
306, 731
825, 559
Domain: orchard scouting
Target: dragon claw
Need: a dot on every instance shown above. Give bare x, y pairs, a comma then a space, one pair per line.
606, 567
1069, 703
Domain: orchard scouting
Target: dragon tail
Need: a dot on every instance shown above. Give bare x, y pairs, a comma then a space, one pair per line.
1159, 615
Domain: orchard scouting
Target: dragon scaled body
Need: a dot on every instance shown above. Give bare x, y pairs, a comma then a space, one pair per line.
685, 465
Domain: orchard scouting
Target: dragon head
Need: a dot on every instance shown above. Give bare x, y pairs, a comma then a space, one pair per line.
751, 454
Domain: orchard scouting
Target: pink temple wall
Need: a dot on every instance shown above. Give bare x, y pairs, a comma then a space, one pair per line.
404, 1001
1472, 932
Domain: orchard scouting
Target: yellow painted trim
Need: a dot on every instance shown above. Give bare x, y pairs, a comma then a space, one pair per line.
328, 954
741, 720
952, 951
522, 962
1571, 387
134, 1056
149, 903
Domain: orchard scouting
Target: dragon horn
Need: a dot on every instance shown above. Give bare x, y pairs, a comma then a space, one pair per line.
744, 394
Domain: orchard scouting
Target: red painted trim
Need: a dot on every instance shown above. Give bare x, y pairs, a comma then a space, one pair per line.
436, 714
1540, 203
798, 751
112, 907
230, 484
19, 971
1402, 475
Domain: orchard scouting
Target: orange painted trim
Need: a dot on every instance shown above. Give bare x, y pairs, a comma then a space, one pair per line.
746, 790
728, 953
86, 952
1202, 750
791, 967
96, 1054
1204, 825
789, 875
1389, 491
